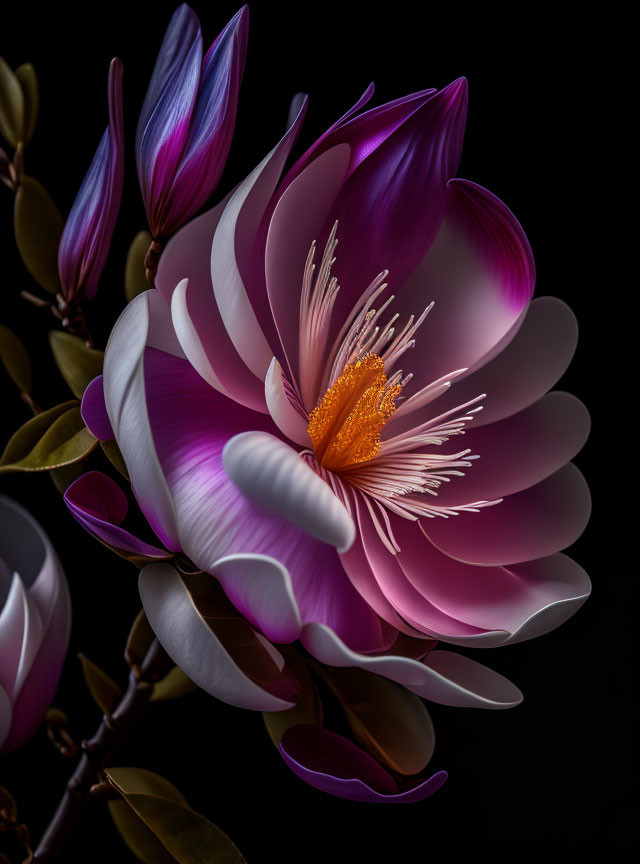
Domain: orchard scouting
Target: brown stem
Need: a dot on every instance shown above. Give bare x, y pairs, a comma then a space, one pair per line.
98, 750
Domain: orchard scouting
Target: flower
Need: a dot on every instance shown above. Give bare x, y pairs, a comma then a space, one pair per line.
188, 117
84, 245
35, 621
273, 437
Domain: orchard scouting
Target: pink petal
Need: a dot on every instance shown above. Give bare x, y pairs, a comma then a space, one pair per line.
531, 524
94, 411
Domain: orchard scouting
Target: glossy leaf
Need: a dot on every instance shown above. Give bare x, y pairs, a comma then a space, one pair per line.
78, 364
54, 438
11, 105
105, 692
308, 708
174, 685
15, 359
135, 280
389, 721
113, 454
38, 227
187, 836
28, 79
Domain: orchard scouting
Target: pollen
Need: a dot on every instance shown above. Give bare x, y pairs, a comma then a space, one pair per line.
345, 425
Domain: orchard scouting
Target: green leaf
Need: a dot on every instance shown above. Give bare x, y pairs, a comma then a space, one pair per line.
106, 693
389, 721
135, 281
38, 227
139, 640
308, 708
174, 685
15, 359
11, 105
54, 438
113, 454
78, 364
28, 79
187, 836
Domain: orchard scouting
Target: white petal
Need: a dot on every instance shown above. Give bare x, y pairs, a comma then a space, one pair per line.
284, 415
124, 393
192, 645
272, 475
459, 682
260, 587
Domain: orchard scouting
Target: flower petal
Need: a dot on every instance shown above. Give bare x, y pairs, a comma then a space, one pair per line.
94, 411
84, 244
534, 523
6, 713
99, 505
194, 647
289, 421
271, 474
164, 121
465, 684
335, 765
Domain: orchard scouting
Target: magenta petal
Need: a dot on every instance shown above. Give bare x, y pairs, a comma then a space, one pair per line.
335, 765
94, 411
164, 121
99, 505
212, 123
87, 234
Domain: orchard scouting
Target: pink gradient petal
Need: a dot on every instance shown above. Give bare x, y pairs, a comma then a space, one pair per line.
335, 765
521, 450
531, 524
288, 420
94, 411
480, 274
99, 505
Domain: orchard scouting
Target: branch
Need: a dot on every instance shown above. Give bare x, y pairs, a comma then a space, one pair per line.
98, 750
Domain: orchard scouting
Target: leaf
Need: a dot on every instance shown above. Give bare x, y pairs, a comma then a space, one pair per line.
38, 227
187, 836
63, 477
139, 640
388, 720
11, 105
78, 364
174, 685
54, 438
135, 280
106, 693
308, 708
112, 452
15, 359
28, 80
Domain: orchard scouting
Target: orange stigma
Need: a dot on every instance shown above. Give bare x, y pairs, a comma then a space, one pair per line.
345, 425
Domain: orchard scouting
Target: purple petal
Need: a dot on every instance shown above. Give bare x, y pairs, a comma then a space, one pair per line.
99, 505
165, 118
87, 234
94, 411
212, 124
335, 765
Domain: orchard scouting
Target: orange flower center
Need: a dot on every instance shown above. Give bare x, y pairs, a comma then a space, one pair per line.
345, 425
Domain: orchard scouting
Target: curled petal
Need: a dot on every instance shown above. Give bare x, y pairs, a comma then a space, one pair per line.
462, 683
182, 627
94, 411
271, 474
289, 421
87, 234
99, 505
335, 765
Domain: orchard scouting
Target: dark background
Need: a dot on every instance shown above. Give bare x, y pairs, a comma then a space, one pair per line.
553, 774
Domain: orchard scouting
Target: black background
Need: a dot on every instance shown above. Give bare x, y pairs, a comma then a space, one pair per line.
555, 773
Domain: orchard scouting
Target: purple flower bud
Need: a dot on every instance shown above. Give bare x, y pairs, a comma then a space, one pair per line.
188, 117
87, 234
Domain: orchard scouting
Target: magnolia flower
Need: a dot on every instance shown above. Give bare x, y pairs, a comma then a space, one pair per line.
35, 621
310, 437
188, 117
85, 241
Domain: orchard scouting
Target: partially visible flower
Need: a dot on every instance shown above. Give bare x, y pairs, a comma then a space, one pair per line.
188, 117
87, 234
35, 621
